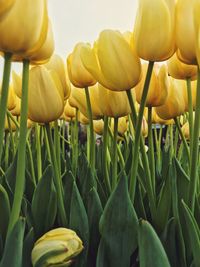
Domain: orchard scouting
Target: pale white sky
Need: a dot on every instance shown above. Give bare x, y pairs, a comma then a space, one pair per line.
81, 20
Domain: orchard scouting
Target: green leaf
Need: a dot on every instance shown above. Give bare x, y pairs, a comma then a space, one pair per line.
44, 203
194, 233
79, 223
27, 249
182, 181
4, 212
12, 255
151, 251
118, 228
68, 181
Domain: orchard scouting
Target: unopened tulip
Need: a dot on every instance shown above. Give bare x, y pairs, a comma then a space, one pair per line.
175, 104
113, 104
98, 126
158, 88
185, 33
179, 70
157, 120
78, 100
112, 61
78, 74
196, 23
17, 83
154, 29
186, 130
57, 64
83, 119
57, 247
23, 28
17, 109
69, 111
122, 126
46, 100
5, 6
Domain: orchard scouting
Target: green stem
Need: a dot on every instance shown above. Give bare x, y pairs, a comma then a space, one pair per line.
11, 137
31, 162
104, 157
182, 138
63, 139
4, 97
138, 131
38, 150
21, 157
58, 181
114, 168
75, 145
7, 144
57, 144
47, 144
195, 150
92, 140
151, 147
190, 109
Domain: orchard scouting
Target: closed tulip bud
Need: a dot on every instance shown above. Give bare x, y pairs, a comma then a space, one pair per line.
69, 111
175, 103
196, 22
112, 61
98, 126
158, 88
10, 125
57, 64
78, 74
154, 29
157, 120
185, 33
179, 70
17, 109
122, 126
17, 83
78, 100
83, 119
113, 104
23, 28
46, 100
57, 247
186, 131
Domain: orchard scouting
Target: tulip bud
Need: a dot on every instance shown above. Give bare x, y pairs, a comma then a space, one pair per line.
154, 29
112, 103
23, 28
186, 131
55, 248
158, 88
17, 109
69, 111
175, 104
122, 126
179, 70
98, 126
157, 120
196, 23
112, 61
5, 5
83, 119
17, 83
78, 74
46, 100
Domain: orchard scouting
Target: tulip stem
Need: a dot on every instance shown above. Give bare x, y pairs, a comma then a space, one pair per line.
115, 157
21, 156
4, 97
38, 150
104, 157
182, 138
151, 147
190, 108
75, 145
57, 180
92, 141
138, 131
195, 150
57, 144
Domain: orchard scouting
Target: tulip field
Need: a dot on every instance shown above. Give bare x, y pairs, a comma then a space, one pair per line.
99, 151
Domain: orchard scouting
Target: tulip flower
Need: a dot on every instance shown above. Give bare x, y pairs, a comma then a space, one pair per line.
56, 63
196, 23
122, 126
113, 103
175, 104
158, 88
98, 126
23, 28
83, 119
179, 70
193, 94
185, 130
154, 29
112, 61
17, 83
78, 74
46, 100
78, 100
55, 248
17, 109
157, 120
69, 111
5, 6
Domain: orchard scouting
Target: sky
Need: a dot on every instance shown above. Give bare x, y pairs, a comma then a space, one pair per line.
76, 21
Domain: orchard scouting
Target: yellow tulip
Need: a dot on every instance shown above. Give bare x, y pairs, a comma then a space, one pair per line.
112, 103
5, 5
186, 131
98, 126
78, 74
157, 120
193, 92
17, 109
158, 88
57, 247
23, 28
154, 29
69, 111
179, 70
57, 64
83, 119
196, 23
11, 104
77, 99
17, 83
175, 104
112, 61
122, 126
185, 34
46, 100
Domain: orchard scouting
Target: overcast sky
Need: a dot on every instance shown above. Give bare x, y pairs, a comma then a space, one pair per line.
81, 20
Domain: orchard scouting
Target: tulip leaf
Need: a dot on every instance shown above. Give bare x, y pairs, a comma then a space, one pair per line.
194, 233
151, 251
27, 249
44, 203
12, 255
68, 181
4, 212
118, 228
79, 223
